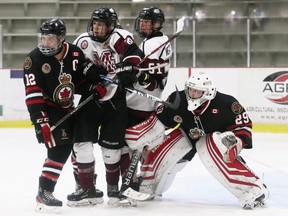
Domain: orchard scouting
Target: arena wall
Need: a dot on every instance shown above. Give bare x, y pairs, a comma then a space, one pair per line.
262, 91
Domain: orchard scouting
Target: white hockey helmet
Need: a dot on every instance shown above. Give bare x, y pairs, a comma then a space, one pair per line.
200, 82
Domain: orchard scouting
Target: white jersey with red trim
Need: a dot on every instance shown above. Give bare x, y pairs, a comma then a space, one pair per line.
114, 50
163, 55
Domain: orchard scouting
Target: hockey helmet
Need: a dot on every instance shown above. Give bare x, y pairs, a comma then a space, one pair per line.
200, 82
106, 15
49, 29
154, 14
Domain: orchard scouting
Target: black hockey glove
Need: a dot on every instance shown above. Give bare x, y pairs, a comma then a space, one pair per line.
93, 72
145, 79
98, 91
126, 75
42, 129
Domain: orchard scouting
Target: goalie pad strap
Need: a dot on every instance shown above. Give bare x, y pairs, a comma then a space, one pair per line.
161, 161
147, 133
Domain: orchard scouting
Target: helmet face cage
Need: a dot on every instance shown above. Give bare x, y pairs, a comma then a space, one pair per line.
154, 14
203, 83
106, 15
52, 27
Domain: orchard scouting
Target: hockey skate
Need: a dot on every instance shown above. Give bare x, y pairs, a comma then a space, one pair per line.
85, 198
116, 199
46, 202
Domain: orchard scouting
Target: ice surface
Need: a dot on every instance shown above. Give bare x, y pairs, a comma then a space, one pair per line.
194, 191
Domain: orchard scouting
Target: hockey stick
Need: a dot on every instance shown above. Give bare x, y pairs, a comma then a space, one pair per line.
127, 180
180, 26
153, 68
71, 113
91, 97
173, 105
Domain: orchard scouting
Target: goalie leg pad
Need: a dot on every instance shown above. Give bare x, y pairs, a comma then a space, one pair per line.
148, 133
160, 166
235, 176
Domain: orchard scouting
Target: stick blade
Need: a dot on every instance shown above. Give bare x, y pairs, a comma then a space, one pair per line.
133, 194
180, 25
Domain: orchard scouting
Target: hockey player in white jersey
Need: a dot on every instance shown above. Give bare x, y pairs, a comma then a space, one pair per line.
112, 52
148, 25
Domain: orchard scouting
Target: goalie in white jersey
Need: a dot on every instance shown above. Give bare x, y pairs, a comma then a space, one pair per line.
112, 52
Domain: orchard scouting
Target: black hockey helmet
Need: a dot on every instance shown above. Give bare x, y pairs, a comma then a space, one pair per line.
154, 14
54, 26
106, 15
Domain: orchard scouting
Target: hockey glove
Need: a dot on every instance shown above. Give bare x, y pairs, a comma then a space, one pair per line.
144, 79
98, 91
93, 72
233, 145
43, 131
126, 74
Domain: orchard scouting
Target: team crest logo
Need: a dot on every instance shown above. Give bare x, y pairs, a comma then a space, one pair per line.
236, 108
276, 87
27, 63
64, 135
84, 44
178, 119
46, 68
63, 94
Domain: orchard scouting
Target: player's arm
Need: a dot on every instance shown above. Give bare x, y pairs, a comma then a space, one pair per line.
35, 102
166, 115
238, 134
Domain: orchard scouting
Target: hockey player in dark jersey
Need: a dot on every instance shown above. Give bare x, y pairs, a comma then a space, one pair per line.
53, 73
217, 127
113, 49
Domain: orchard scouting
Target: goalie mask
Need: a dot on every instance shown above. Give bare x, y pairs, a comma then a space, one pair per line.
102, 23
51, 37
149, 21
199, 88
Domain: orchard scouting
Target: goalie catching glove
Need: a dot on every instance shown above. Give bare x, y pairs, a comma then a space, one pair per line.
233, 145
42, 128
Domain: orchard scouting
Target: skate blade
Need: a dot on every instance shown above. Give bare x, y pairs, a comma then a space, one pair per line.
85, 202
47, 209
126, 203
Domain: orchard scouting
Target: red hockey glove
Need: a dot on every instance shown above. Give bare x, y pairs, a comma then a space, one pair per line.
233, 145
98, 91
43, 131
46, 133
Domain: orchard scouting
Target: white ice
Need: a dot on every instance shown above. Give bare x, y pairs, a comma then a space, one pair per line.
194, 191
